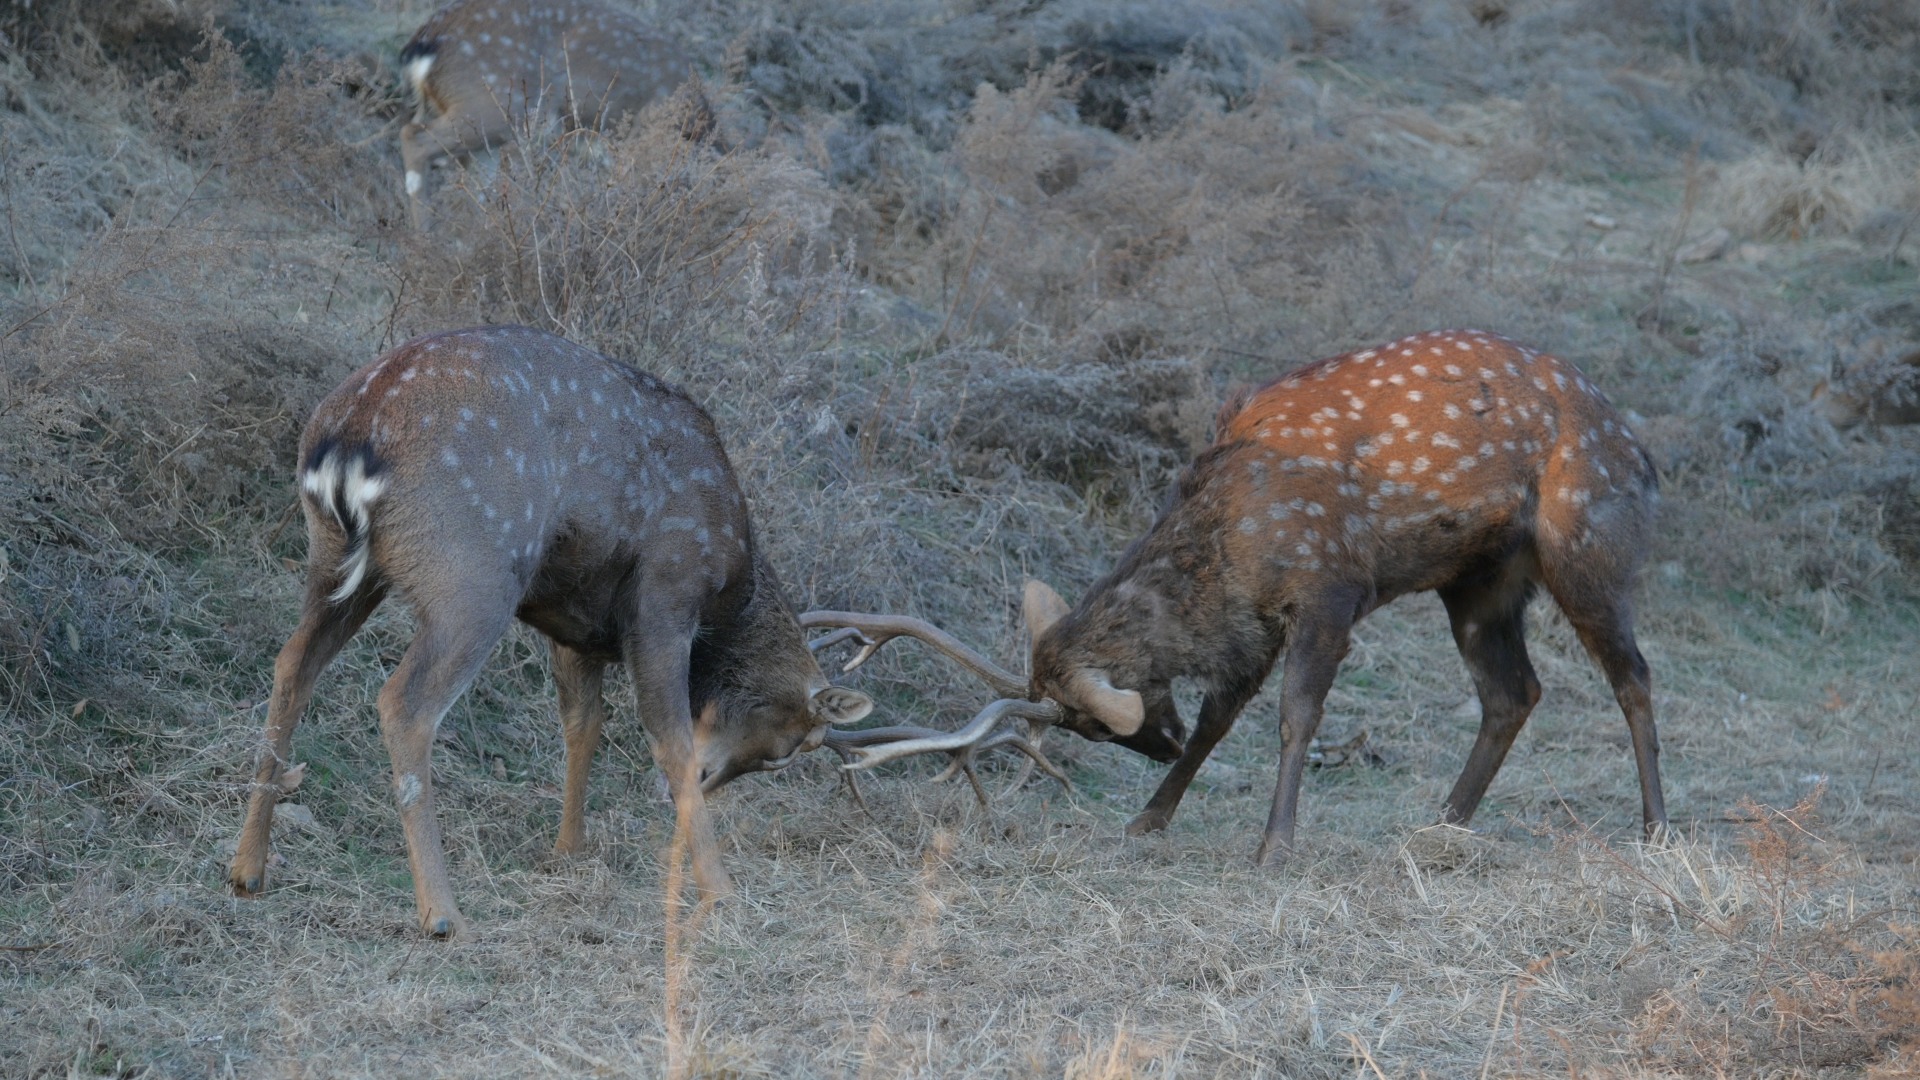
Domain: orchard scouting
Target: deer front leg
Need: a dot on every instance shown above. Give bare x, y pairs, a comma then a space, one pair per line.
453, 136
660, 670
1218, 711
583, 710
1313, 658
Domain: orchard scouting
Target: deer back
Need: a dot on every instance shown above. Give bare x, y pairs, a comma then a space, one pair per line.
1399, 465
508, 453
491, 60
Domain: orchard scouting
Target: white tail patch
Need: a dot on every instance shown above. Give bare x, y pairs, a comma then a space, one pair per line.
417, 69
346, 490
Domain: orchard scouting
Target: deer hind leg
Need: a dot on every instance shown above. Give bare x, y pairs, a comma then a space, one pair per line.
1489, 626
324, 629
1218, 711
455, 135
583, 710
1593, 591
1319, 642
454, 640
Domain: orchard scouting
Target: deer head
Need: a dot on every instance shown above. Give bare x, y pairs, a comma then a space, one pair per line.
1088, 687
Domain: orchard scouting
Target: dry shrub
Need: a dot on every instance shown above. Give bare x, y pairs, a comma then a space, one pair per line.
1120, 426
1200, 238
643, 243
258, 139
73, 157
1121, 56
1762, 496
1773, 195
815, 56
137, 391
153, 379
142, 36
1900, 523
1859, 48
1875, 382
1895, 1001
888, 62
136, 400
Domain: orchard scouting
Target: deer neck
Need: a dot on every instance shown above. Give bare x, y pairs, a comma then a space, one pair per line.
731, 655
1201, 620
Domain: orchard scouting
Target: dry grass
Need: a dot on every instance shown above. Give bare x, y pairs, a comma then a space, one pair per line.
962, 290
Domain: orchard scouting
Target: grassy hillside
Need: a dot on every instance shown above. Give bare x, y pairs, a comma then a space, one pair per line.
962, 285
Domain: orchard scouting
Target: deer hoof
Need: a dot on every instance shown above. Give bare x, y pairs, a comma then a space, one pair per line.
715, 889
1147, 821
443, 926
1273, 853
247, 880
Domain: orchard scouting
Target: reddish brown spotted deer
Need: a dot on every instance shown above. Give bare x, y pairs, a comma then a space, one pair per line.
1454, 461
488, 473
481, 69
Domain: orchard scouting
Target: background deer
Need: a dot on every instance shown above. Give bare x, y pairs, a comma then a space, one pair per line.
479, 69
488, 473
1880, 391
1454, 461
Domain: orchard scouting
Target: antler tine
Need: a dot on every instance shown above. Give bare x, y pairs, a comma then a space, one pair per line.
966, 739
873, 631
1024, 744
845, 633
963, 759
868, 747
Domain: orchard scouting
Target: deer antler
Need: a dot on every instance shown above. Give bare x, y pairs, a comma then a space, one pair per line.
867, 748
873, 631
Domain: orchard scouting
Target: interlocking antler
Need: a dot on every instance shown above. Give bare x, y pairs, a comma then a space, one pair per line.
867, 748
873, 631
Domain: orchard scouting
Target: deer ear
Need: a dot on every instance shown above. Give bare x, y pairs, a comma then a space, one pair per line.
1042, 607
1120, 711
839, 705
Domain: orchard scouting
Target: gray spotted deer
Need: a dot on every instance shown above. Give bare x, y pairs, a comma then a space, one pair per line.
479, 69
485, 474
1454, 461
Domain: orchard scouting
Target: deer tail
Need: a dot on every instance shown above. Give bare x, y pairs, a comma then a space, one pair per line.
344, 481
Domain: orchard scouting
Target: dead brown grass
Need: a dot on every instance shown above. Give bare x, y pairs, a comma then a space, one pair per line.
955, 336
